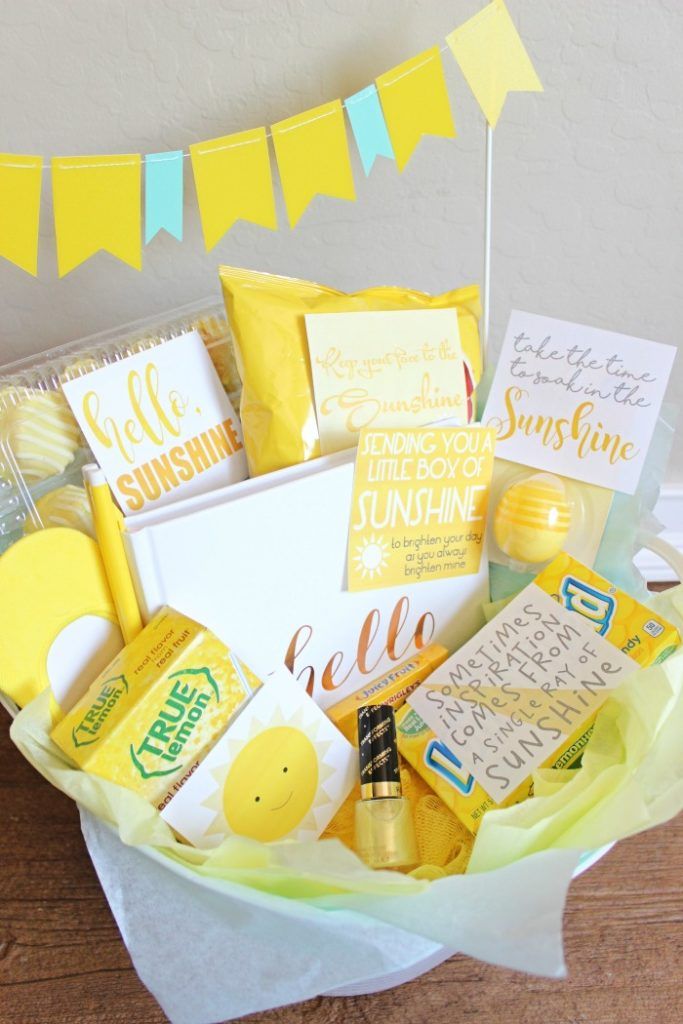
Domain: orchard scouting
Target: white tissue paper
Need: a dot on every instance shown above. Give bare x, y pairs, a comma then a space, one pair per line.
213, 950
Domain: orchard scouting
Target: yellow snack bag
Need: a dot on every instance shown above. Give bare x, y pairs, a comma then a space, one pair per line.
266, 315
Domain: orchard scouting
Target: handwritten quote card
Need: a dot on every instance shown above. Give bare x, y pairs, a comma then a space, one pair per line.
402, 368
509, 697
419, 505
160, 424
577, 400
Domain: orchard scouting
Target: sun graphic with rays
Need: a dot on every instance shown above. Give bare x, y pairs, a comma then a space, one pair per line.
272, 784
371, 558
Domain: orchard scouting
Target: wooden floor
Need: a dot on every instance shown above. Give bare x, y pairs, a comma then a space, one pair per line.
62, 960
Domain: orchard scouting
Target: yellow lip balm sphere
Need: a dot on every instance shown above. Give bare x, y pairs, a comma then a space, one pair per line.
533, 519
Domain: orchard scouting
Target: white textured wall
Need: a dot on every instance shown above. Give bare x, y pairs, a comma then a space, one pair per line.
588, 176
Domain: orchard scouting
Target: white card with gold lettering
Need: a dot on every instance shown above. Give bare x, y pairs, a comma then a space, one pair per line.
514, 692
160, 424
402, 368
577, 400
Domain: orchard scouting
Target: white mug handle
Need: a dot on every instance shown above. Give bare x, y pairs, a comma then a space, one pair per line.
667, 552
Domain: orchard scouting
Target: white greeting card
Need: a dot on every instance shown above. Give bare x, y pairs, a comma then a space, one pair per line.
513, 693
400, 368
280, 771
160, 424
577, 400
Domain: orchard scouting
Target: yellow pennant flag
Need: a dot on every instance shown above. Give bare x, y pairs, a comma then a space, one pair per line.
313, 157
233, 181
97, 206
20, 183
493, 59
415, 103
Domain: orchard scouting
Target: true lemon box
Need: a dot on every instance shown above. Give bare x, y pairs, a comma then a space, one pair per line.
639, 633
149, 718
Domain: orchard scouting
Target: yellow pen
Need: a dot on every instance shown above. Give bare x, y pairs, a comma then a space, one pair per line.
108, 521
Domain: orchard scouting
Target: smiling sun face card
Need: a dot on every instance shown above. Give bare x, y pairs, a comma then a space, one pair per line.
280, 771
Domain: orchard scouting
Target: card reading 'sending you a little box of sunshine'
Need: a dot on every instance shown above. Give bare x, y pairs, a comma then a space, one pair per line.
419, 505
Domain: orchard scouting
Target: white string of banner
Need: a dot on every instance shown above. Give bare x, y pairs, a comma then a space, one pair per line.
164, 156
488, 186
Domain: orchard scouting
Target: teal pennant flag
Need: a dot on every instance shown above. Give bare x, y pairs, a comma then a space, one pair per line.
164, 194
369, 127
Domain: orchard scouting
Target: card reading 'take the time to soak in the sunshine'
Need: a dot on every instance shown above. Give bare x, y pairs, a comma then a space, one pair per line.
577, 400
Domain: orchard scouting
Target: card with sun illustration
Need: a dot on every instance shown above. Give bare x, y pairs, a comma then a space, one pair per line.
419, 502
280, 771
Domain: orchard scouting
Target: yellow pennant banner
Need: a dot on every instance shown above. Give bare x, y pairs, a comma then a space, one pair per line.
97, 206
493, 59
415, 103
233, 181
97, 199
313, 157
20, 184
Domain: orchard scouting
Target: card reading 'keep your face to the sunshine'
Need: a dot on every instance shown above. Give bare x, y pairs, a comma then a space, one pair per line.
577, 400
401, 368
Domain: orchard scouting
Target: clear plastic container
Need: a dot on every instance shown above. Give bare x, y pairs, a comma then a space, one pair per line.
42, 450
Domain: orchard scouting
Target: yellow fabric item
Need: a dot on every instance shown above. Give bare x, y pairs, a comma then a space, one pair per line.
443, 842
266, 315
233, 181
97, 206
20, 185
440, 836
312, 151
415, 103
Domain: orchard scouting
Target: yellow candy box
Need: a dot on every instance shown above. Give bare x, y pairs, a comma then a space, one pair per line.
638, 632
623, 621
150, 717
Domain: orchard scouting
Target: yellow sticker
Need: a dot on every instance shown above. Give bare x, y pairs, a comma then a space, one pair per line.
419, 505
401, 368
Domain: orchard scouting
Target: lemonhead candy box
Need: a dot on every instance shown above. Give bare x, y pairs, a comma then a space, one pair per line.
632, 627
146, 722
445, 773
524, 692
